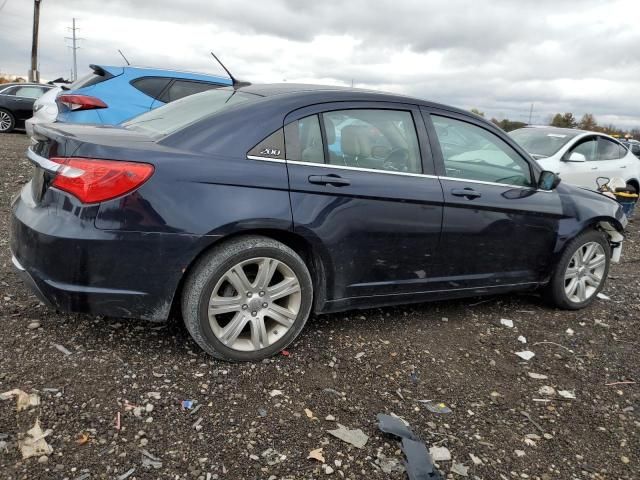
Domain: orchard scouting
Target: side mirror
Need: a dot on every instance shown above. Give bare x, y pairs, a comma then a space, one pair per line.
548, 180
576, 157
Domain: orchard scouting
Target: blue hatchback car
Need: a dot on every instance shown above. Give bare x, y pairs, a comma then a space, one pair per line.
111, 95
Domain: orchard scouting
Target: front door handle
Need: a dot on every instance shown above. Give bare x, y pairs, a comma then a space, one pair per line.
331, 179
468, 193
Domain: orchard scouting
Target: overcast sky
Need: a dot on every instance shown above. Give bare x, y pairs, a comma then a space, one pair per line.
496, 55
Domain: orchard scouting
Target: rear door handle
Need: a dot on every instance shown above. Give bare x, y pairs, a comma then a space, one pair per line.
467, 192
331, 179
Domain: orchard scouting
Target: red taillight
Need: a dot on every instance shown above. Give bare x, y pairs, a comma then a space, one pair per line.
80, 102
93, 180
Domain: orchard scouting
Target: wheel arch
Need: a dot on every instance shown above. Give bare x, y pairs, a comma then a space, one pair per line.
314, 261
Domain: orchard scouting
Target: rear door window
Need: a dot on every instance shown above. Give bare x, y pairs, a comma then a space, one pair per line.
151, 86
29, 92
303, 140
183, 88
609, 150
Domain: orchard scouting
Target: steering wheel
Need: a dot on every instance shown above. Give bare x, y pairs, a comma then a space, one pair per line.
397, 160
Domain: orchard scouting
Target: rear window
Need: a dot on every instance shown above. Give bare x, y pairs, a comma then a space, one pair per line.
542, 142
183, 88
176, 115
152, 86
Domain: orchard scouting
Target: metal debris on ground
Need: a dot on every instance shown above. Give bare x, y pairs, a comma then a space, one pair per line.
435, 407
23, 400
356, 437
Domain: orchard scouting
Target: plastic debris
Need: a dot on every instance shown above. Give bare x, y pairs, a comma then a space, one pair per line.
285, 353
356, 437
435, 407
507, 323
82, 438
460, 469
126, 474
419, 464
537, 376
187, 404
316, 455
62, 349
23, 400
394, 426
602, 296
34, 444
440, 454
567, 394
526, 355
117, 421
149, 460
522, 339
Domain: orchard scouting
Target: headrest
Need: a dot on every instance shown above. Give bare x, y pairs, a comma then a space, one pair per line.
355, 141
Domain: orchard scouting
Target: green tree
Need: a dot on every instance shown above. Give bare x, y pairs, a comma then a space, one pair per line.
588, 122
564, 121
477, 112
508, 125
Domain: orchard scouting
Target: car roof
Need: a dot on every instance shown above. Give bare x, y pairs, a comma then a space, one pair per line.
142, 71
338, 93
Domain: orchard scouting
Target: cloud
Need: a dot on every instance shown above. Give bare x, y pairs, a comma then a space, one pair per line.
499, 56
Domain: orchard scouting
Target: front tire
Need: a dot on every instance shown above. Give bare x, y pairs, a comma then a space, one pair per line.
581, 271
247, 299
7, 121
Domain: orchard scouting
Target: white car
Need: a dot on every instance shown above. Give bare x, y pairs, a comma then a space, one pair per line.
45, 110
579, 157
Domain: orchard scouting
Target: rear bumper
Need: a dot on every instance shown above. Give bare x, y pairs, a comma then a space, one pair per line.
72, 266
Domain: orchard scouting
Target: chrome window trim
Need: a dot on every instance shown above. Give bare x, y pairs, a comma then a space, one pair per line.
386, 172
266, 159
360, 169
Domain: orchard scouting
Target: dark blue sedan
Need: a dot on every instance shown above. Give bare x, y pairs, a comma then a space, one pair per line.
229, 207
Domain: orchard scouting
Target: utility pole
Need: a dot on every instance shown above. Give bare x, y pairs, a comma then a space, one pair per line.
34, 74
530, 114
74, 47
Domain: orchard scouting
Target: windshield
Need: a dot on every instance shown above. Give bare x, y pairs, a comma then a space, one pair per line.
542, 142
177, 115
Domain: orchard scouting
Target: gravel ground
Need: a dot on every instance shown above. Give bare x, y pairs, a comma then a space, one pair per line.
345, 368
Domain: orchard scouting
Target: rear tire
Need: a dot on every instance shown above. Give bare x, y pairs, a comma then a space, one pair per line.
7, 121
247, 299
581, 271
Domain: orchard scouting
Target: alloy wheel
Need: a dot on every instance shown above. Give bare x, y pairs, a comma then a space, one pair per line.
585, 272
5, 121
254, 304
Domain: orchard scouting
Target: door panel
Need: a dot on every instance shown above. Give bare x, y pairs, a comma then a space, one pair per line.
496, 229
379, 228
